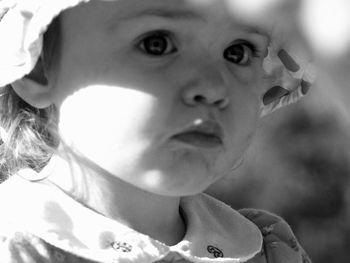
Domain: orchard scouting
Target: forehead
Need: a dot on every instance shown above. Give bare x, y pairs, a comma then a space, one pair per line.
200, 7
111, 13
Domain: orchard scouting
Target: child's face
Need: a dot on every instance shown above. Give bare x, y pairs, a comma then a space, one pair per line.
133, 74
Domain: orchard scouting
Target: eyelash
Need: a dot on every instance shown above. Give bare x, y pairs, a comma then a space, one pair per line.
159, 33
253, 48
254, 51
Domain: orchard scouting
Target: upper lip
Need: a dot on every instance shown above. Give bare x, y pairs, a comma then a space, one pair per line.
210, 128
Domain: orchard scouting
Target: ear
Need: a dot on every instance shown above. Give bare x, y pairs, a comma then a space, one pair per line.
34, 87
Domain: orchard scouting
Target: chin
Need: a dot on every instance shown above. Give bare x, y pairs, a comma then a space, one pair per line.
171, 192
178, 183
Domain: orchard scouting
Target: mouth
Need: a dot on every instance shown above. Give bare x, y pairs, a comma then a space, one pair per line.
207, 135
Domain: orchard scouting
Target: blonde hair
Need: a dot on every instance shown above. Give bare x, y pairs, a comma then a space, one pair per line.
28, 135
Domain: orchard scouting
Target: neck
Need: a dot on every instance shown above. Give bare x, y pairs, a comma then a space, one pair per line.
154, 215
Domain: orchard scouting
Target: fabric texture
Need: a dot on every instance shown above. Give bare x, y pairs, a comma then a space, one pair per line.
23, 24
43, 222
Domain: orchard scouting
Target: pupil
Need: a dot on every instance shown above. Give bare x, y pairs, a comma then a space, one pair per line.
235, 53
155, 45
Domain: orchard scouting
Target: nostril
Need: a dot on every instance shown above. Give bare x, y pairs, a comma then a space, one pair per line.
219, 103
223, 103
199, 99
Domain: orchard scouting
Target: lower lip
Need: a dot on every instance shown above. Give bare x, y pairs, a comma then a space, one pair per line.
199, 140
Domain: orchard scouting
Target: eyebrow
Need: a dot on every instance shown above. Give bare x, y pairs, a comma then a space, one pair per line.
165, 13
184, 14
256, 30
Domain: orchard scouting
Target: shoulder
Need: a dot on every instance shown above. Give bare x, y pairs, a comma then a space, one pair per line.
23, 232
17, 243
20, 247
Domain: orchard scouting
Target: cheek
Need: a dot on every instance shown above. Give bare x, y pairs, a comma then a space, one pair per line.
242, 121
106, 122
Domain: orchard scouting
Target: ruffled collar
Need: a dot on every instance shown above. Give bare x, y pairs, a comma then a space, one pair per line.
215, 232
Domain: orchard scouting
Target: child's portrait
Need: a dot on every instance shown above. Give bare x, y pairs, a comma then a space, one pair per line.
117, 116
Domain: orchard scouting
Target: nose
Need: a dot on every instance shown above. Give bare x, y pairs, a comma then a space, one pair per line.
207, 88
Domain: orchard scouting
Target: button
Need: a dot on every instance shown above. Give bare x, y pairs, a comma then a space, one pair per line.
121, 246
215, 251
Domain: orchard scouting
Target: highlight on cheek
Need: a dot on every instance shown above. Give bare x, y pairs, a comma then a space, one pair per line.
97, 118
152, 178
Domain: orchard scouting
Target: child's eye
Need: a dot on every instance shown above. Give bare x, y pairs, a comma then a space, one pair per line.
157, 44
240, 53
